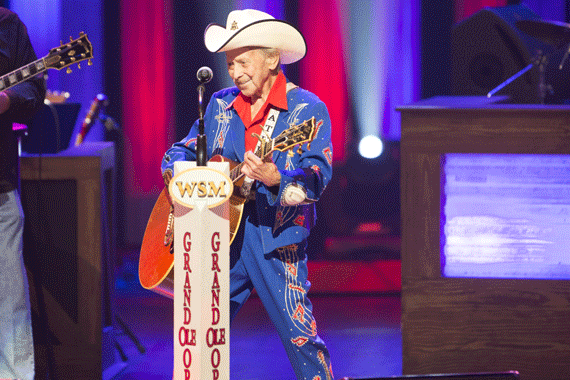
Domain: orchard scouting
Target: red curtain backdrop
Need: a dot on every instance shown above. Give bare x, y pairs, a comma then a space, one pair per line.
148, 91
323, 71
465, 8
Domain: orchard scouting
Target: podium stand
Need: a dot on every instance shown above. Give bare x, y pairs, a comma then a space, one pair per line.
201, 276
459, 325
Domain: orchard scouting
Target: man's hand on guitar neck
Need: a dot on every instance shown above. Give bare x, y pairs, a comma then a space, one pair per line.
257, 169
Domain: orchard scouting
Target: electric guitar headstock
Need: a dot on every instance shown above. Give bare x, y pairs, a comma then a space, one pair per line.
75, 51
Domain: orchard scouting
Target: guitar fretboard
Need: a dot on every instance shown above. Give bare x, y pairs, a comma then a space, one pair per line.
22, 74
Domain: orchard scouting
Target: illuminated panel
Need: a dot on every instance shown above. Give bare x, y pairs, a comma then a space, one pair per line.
505, 216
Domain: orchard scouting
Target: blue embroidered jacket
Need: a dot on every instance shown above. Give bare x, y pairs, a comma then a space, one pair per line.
279, 224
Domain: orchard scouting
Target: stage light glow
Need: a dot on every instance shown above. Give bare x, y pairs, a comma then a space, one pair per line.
370, 147
384, 62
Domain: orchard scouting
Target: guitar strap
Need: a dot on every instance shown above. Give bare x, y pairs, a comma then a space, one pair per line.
271, 120
269, 126
266, 133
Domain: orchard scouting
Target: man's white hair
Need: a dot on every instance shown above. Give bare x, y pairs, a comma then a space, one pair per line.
272, 52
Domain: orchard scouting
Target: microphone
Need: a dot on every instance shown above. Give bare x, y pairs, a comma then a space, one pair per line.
97, 104
204, 74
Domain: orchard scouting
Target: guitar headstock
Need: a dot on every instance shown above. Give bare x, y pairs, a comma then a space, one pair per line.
296, 135
75, 51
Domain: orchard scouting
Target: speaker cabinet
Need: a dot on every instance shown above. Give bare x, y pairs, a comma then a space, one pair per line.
487, 49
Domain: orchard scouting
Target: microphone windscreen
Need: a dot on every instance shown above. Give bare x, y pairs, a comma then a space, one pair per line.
204, 74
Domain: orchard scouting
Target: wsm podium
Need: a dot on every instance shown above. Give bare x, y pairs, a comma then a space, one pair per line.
197, 277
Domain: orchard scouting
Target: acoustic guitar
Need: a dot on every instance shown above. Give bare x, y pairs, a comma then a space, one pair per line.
58, 58
156, 261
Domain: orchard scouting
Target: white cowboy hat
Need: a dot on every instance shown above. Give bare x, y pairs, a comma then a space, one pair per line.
250, 27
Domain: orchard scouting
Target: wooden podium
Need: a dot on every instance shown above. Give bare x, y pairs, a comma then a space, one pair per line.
69, 248
459, 325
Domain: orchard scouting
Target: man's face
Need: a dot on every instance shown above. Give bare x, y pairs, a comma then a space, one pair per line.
250, 70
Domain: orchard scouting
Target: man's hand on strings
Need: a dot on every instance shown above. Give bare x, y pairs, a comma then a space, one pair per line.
264, 171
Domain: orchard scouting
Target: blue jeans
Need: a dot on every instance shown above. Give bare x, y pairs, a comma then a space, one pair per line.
16, 343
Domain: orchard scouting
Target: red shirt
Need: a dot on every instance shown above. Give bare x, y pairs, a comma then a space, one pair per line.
277, 98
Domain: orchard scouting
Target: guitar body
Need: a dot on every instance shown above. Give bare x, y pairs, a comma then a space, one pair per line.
156, 262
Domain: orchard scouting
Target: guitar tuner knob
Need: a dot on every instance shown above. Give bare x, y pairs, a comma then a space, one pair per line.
300, 150
79, 65
70, 38
68, 70
89, 63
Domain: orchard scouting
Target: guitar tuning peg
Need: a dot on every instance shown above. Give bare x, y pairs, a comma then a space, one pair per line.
299, 150
60, 42
79, 65
68, 70
89, 63
290, 153
309, 146
70, 38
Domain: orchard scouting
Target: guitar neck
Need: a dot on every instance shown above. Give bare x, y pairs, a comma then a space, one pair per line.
295, 135
22, 74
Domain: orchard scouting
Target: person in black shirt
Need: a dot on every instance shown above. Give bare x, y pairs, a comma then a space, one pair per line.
17, 105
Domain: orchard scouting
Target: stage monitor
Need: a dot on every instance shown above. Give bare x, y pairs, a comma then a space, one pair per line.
51, 128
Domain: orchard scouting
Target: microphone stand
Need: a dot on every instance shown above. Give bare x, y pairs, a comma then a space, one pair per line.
201, 150
539, 60
561, 66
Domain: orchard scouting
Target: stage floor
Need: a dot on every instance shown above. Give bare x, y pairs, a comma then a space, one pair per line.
362, 333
